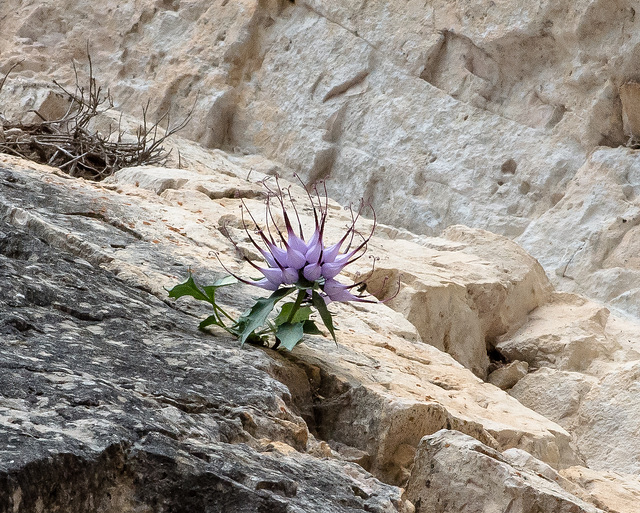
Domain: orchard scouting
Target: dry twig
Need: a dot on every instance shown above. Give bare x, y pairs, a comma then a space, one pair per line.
70, 144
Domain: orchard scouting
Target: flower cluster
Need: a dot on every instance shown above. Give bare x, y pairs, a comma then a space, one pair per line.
306, 264
294, 263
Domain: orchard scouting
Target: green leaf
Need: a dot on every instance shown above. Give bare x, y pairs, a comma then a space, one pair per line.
310, 328
289, 334
227, 280
210, 290
257, 315
188, 288
212, 319
325, 315
302, 314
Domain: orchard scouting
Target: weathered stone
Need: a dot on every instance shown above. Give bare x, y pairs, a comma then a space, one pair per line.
456, 473
379, 392
507, 376
447, 291
112, 399
484, 114
504, 116
630, 98
586, 381
587, 241
556, 394
608, 490
568, 333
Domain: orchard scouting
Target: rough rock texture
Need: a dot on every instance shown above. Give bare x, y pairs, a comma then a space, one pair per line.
454, 472
135, 240
112, 401
82, 264
607, 489
506, 377
588, 241
486, 114
503, 116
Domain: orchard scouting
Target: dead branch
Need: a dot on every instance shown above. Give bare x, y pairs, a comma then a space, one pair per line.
69, 144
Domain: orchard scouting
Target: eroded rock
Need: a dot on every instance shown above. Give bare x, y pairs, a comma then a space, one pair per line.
454, 472
379, 392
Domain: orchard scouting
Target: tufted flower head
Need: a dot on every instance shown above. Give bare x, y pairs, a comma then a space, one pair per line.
306, 262
293, 263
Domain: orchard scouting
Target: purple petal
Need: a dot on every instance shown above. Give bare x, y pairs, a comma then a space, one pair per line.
315, 238
338, 292
314, 251
279, 254
289, 275
264, 284
331, 270
269, 258
295, 259
275, 276
331, 253
344, 258
312, 272
296, 243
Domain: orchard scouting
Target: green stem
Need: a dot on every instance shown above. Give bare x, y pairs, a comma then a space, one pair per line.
218, 309
301, 295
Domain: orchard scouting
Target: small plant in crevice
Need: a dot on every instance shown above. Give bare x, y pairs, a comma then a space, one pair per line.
303, 268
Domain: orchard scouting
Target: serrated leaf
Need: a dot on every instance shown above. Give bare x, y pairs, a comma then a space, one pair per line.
210, 290
257, 315
301, 315
310, 328
212, 319
289, 334
325, 315
188, 288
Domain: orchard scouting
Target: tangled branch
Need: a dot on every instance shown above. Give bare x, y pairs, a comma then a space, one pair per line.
69, 143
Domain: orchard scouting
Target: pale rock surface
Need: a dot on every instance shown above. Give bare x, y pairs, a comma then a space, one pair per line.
454, 472
567, 333
459, 301
483, 113
503, 116
379, 392
363, 91
458, 291
616, 492
588, 240
507, 376
586, 377
494, 285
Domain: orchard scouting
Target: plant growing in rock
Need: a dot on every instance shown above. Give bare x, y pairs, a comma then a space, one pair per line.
304, 268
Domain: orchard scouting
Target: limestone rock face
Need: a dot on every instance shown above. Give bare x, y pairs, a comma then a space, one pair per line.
112, 401
584, 363
87, 265
456, 303
588, 240
618, 492
363, 93
454, 472
438, 113
496, 142
506, 377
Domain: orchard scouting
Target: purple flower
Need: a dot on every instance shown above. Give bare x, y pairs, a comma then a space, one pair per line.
307, 263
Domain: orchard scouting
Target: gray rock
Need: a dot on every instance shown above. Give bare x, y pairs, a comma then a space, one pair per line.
456, 473
110, 400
